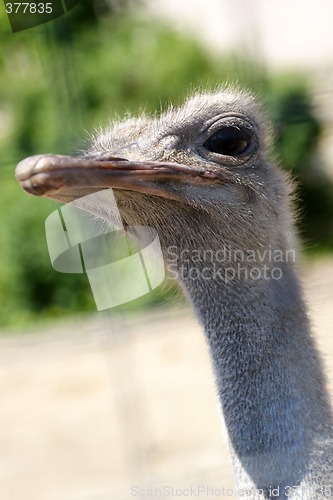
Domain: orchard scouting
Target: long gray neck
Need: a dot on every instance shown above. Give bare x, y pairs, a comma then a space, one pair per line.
269, 379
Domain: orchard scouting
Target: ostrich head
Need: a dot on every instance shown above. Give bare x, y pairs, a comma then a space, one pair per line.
199, 174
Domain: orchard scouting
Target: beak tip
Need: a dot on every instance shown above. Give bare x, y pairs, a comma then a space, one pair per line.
25, 168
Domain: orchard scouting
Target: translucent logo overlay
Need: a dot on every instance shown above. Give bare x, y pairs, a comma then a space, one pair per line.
87, 236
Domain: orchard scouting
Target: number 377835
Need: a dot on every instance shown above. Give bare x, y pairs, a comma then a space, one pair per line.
27, 7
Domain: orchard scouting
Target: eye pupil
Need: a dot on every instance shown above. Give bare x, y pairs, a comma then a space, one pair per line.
229, 141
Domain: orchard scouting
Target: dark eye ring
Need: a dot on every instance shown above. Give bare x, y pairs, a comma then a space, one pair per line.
229, 141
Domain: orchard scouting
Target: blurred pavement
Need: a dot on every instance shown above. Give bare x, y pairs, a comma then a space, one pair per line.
97, 407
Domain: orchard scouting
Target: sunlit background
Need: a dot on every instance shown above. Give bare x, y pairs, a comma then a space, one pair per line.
94, 404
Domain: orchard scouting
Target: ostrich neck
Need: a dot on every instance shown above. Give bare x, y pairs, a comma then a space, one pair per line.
269, 378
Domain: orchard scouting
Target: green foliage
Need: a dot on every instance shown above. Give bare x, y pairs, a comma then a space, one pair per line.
297, 132
297, 129
74, 74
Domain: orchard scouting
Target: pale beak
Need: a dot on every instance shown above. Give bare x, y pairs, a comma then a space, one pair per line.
64, 178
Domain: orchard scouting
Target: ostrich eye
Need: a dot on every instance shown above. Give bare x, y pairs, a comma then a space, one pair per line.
229, 141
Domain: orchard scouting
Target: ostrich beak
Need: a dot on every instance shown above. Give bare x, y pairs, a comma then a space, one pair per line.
65, 178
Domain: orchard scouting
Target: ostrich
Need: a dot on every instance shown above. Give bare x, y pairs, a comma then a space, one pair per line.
200, 175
